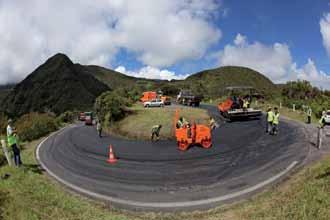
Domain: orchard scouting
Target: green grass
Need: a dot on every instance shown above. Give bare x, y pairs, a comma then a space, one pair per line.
28, 194
138, 124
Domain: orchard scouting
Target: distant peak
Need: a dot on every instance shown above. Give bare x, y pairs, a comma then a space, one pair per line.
59, 58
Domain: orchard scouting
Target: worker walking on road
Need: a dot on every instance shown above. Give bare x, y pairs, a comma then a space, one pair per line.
99, 128
12, 142
155, 132
269, 120
309, 115
276, 120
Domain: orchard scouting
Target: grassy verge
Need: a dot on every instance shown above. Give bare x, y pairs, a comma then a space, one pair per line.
139, 123
28, 194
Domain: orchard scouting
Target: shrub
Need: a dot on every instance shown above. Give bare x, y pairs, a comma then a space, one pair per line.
110, 107
34, 125
66, 117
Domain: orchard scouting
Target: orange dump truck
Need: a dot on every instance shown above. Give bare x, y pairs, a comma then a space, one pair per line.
196, 134
148, 96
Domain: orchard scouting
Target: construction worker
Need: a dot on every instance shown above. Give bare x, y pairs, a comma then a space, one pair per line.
99, 128
182, 122
212, 123
276, 120
155, 132
322, 121
320, 128
245, 104
269, 120
309, 115
12, 142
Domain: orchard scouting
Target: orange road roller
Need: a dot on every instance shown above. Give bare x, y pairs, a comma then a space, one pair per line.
194, 134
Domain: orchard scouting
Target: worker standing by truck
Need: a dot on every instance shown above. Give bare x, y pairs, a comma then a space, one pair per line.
155, 132
12, 142
269, 120
276, 120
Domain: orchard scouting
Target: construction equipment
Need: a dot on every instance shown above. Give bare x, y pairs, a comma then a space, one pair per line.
196, 134
233, 107
186, 97
148, 96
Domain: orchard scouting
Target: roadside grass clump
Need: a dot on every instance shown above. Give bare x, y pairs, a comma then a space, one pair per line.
35, 125
138, 124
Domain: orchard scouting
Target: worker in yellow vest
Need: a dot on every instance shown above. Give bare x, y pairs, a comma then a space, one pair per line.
269, 120
12, 142
276, 120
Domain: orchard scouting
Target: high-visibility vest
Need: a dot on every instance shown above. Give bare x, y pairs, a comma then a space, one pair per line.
11, 138
309, 112
155, 129
276, 118
270, 116
245, 104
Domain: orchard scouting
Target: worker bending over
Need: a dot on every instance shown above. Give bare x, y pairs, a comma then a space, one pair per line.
155, 132
276, 120
270, 118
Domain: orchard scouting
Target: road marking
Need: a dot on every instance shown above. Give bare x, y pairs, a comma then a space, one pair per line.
186, 204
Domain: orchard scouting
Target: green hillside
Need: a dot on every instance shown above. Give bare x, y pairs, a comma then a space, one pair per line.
212, 82
57, 85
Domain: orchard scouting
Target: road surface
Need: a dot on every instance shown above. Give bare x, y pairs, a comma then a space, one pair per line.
157, 176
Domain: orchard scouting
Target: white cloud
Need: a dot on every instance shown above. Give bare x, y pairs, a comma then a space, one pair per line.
149, 72
275, 61
325, 31
310, 73
161, 32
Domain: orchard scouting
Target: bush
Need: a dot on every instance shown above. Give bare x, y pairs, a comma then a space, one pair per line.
66, 117
110, 107
34, 125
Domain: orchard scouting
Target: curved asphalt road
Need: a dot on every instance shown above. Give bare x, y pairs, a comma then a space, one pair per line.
157, 176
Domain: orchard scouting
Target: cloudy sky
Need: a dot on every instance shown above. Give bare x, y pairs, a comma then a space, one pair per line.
166, 39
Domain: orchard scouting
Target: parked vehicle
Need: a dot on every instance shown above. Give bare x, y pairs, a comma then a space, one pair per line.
327, 117
154, 103
88, 118
81, 116
148, 96
186, 97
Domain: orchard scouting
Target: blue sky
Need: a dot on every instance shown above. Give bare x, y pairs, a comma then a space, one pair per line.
295, 23
285, 40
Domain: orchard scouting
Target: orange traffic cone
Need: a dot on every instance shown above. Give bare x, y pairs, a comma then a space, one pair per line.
112, 158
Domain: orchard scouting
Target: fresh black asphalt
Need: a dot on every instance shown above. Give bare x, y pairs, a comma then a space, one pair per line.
242, 155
